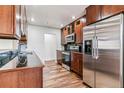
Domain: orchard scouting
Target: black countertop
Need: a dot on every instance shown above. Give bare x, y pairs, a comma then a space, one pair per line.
22, 60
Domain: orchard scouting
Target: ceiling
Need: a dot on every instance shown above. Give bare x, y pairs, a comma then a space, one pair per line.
53, 15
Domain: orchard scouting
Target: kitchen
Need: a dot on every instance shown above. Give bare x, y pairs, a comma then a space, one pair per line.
28, 61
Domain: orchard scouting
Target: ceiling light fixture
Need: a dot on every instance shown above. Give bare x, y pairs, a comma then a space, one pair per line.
61, 25
73, 17
32, 19
82, 20
68, 26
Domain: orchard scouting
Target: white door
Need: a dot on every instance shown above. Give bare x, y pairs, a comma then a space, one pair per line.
50, 46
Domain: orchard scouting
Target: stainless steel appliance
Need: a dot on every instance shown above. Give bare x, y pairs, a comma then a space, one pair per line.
66, 59
103, 53
70, 38
67, 55
76, 48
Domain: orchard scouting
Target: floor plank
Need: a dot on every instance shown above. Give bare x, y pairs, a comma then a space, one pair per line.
57, 77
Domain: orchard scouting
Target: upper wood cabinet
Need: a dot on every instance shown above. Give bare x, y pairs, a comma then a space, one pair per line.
109, 10
9, 21
93, 13
6, 19
62, 37
64, 33
97, 12
79, 24
78, 32
13, 21
117, 9
105, 11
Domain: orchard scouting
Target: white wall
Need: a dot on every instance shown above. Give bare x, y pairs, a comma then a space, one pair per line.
36, 39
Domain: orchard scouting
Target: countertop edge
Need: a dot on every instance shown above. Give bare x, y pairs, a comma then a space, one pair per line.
19, 69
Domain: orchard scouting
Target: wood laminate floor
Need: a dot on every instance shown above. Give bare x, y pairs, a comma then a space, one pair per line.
57, 77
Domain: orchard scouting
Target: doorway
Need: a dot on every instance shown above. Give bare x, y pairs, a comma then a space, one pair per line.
50, 47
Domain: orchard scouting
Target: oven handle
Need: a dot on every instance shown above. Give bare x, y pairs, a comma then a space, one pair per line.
66, 53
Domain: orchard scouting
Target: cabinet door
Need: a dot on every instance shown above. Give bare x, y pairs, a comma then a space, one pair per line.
109, 10
106, 11
78, 32
117, 9
65, 32
80, 64
6, 19
75, 63
62, 37
9, 79
93, 14
31, 78
59, 57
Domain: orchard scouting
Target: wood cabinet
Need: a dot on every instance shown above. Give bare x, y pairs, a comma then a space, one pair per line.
109, 10
79, 24
62, 37
98, 12
93, 14
78, 32
77, 63
9, 80
105, 11
13, 21
9, 19
30, 78
23, 78
117, 9
59, 57
64, 33
6, 19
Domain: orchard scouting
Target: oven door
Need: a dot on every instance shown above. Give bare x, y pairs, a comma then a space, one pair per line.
66, 58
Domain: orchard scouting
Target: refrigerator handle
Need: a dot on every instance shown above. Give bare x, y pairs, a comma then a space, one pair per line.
96, 49
93, 47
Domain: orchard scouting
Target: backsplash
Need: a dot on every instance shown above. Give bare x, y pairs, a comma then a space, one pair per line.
8, 44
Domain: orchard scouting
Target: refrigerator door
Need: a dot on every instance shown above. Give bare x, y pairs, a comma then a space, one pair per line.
88, 54
107, 65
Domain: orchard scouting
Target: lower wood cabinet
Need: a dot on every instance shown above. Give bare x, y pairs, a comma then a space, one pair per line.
8, 80
24, 78
77, 63
59, 57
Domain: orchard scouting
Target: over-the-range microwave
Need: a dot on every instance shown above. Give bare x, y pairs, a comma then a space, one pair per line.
70, 38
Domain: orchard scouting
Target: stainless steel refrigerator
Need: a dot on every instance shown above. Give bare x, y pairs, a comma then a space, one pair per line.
103, 53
